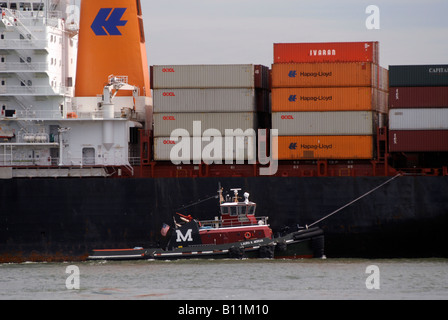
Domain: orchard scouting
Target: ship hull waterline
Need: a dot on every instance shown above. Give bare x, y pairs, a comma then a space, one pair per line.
64, 219
296, 245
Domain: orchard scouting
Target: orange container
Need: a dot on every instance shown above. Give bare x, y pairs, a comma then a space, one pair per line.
326, 52
328, 99
315, 75
324, 147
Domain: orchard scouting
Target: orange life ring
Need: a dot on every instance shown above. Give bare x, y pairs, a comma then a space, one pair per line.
247, 235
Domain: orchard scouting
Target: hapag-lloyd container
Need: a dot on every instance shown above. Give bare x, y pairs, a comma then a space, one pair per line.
324, 147
418, 141
326, 52
329, 99
418, 119
210, 76
166, 123
324, 75
207, 100
342, 123
419, 76
418, 97
213, 151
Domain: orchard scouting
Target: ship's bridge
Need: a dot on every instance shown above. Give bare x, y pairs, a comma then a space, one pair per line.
235, 213
237, 209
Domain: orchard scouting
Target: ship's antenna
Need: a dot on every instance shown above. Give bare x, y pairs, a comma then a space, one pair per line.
235, 192
356, 200
220, 190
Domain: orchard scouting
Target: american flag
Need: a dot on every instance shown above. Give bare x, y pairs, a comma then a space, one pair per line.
165, 229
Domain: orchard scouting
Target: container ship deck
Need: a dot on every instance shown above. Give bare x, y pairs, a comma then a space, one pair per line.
99, 150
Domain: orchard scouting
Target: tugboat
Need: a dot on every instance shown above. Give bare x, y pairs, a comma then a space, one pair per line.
236, 234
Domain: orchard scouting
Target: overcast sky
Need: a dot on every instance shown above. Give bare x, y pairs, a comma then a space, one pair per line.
244, 31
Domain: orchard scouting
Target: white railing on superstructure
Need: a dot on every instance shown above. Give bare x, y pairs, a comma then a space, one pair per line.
31, 18
58, 115
234, 222
23, 45
34, 90
24, 66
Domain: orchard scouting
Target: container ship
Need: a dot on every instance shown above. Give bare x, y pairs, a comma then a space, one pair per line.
98, 149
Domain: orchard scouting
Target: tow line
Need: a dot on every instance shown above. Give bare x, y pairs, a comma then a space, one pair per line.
356, 200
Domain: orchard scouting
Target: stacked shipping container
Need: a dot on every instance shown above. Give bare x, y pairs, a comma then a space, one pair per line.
418, 108
220, 97
328, 99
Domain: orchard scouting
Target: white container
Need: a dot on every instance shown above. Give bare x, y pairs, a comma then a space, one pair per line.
204, 100
166, 123
418, 119
203, 76
342, 123
241, 148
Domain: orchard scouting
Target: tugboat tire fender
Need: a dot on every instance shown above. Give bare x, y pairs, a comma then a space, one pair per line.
236, 252
267, 252
282, 246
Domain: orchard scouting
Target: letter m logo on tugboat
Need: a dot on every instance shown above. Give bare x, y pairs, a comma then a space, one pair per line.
187, 237
186, 234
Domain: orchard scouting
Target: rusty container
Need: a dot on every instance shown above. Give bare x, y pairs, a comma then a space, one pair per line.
418, 97
326, 52
418, 141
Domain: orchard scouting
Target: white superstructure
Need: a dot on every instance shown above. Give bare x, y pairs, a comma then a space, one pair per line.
43, 128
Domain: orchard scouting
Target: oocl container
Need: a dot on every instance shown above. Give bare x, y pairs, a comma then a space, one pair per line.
205, 100
315, 75
196, 123
209, 76
240, 148
326, 52
329, 99
343, 123
418, 76
418, 97
324, 147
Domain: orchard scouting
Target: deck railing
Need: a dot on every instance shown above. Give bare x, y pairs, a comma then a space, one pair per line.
234, 222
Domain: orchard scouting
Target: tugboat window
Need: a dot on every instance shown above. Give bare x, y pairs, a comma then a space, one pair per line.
251, 210
236, 211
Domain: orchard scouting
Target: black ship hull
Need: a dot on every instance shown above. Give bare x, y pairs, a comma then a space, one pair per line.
64, 219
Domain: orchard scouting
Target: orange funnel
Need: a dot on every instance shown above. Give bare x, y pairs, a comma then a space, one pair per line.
111, 42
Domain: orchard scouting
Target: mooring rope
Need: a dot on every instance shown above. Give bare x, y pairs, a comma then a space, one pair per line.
356, 200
